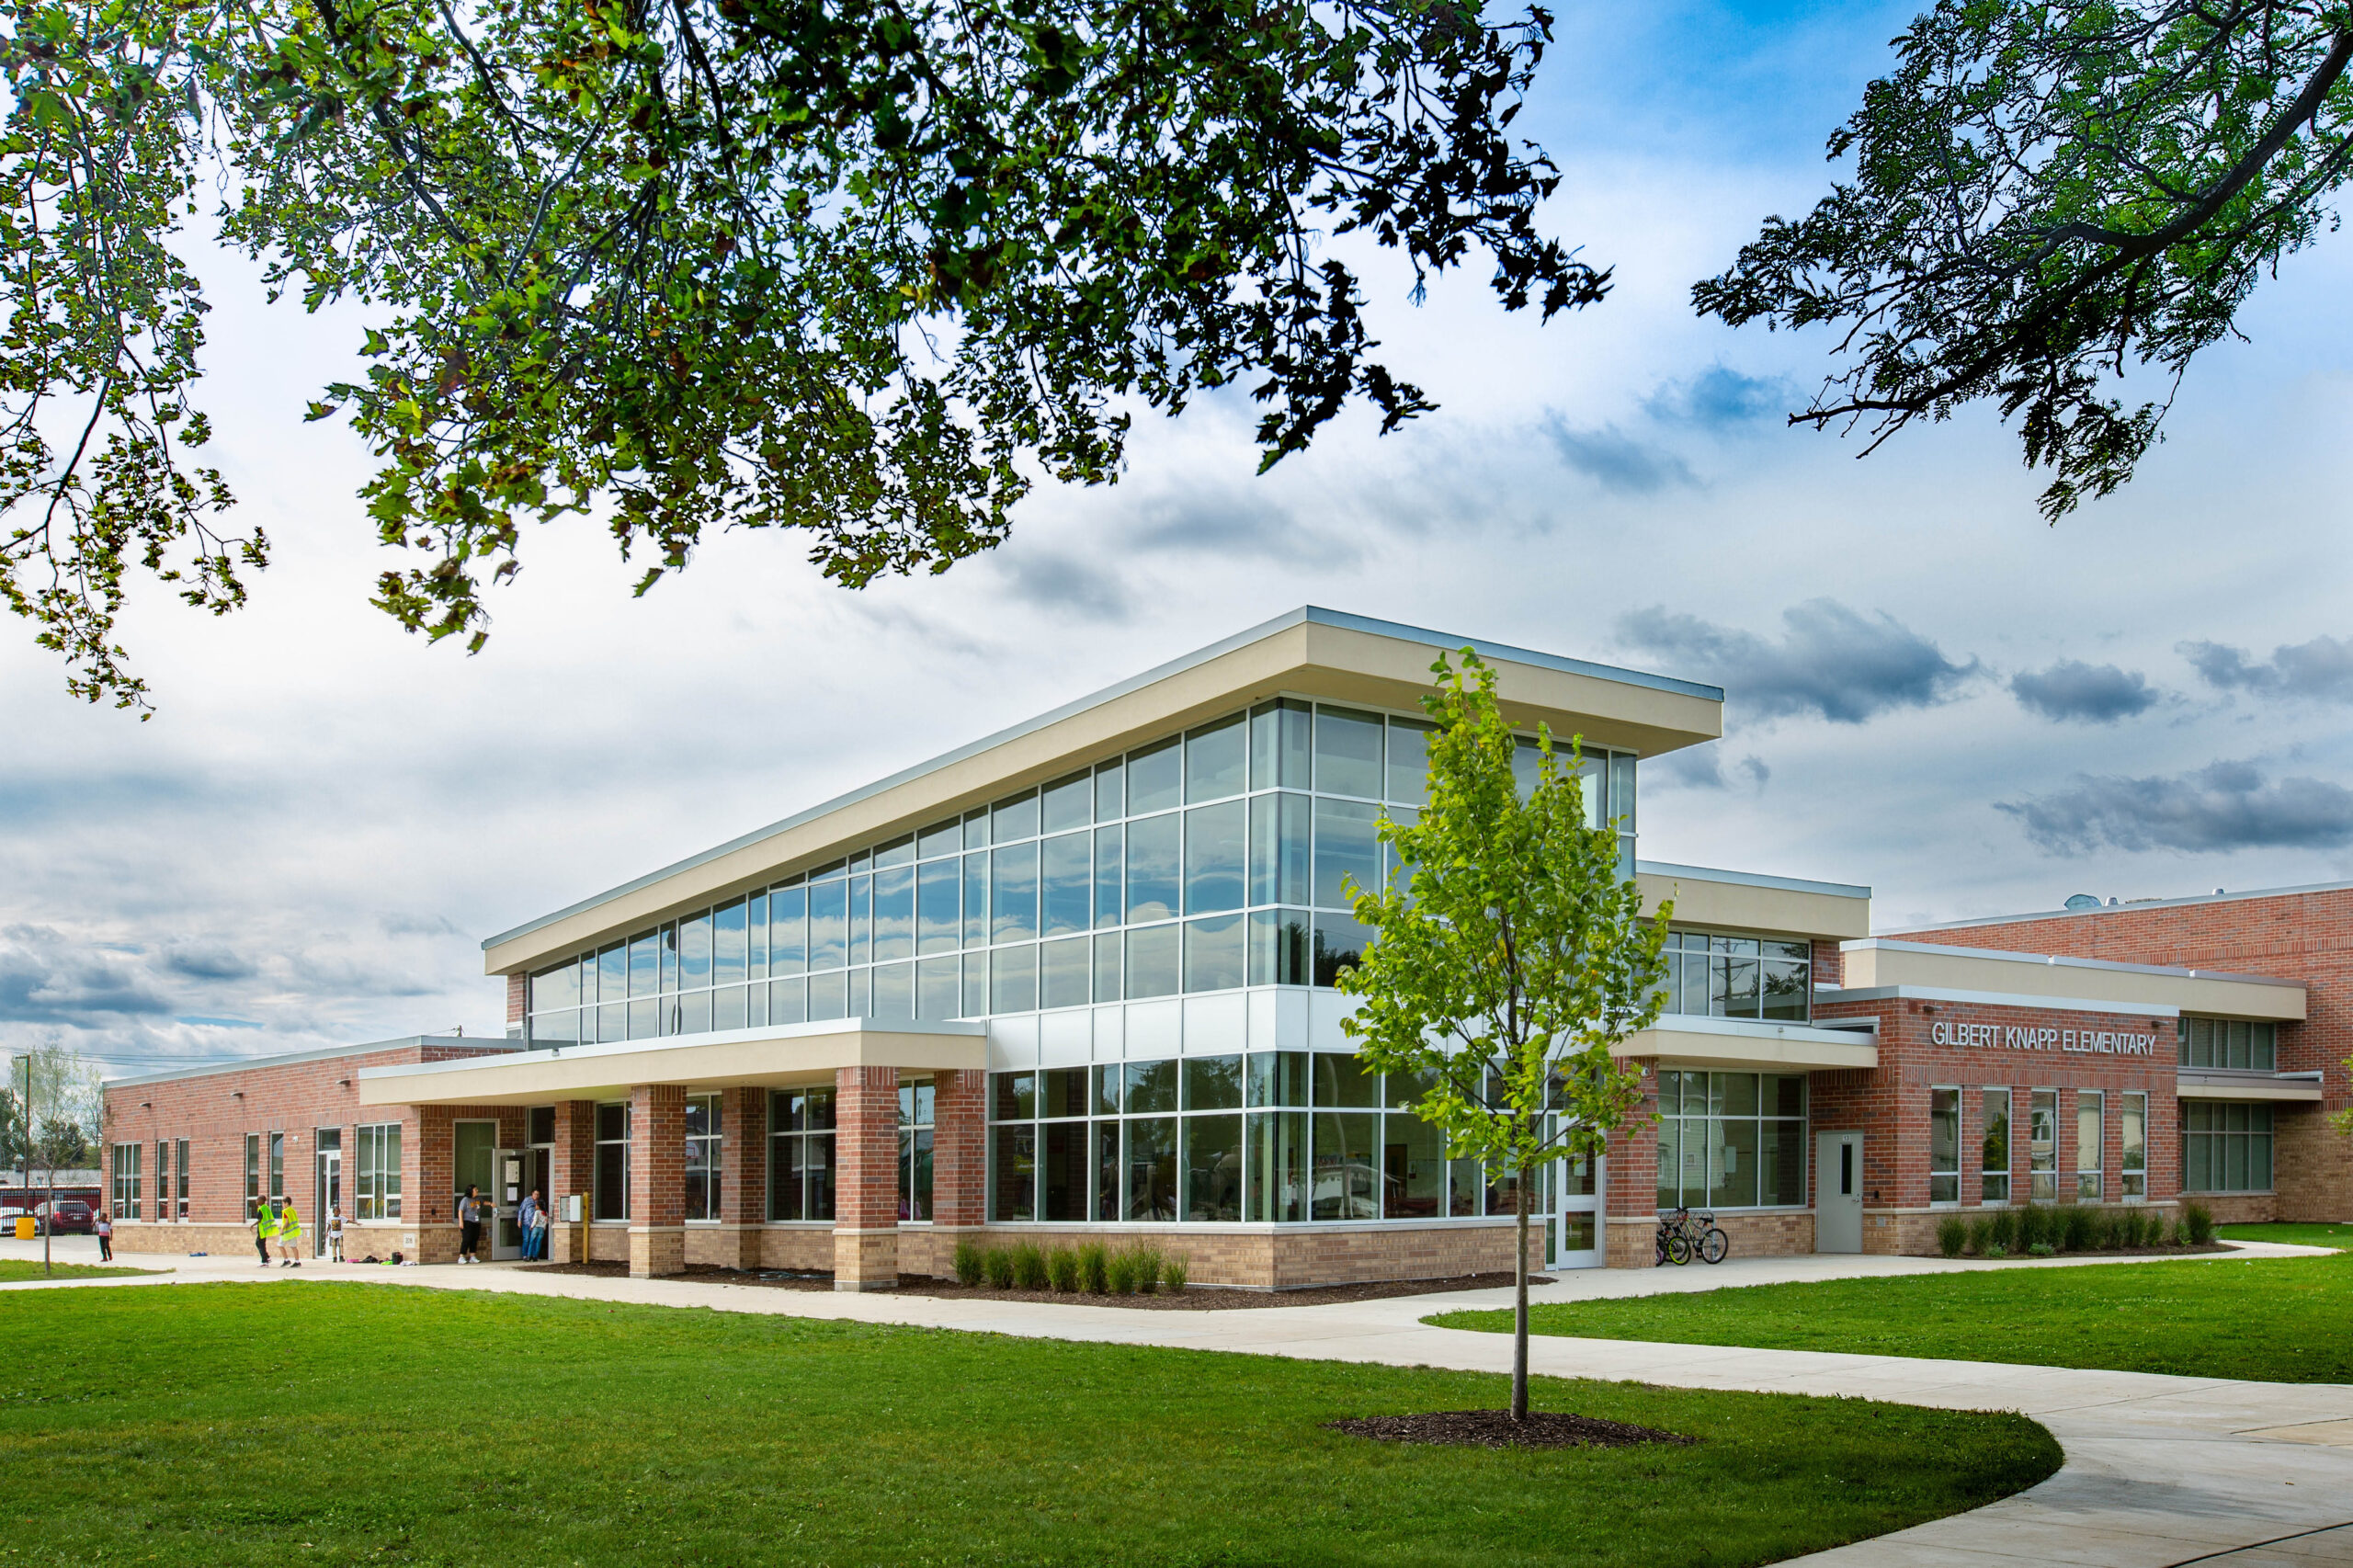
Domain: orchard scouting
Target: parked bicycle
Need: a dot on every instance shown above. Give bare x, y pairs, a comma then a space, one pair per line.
1683, 1235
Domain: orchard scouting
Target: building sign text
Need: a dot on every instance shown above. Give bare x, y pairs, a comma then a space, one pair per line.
2011, 1037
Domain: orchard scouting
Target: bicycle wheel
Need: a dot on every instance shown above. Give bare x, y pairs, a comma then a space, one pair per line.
1678, 1249
1713, 1246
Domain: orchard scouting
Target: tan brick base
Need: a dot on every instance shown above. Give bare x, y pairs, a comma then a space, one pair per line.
2235, 1207
723, 1246
1285, 1260
866, 1260
655, 1251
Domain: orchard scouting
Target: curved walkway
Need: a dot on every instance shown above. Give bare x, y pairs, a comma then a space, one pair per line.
2161, 1471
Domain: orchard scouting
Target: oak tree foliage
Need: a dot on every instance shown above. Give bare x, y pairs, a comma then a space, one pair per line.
2049, 196
863, 271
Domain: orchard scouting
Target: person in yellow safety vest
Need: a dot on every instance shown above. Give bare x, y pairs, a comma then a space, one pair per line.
289, 1237
265, 1227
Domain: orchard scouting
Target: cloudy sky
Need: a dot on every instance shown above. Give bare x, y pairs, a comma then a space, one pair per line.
1930, 690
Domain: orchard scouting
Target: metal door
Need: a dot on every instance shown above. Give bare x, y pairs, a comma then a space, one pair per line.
506, 1200
1575, 1232
1838, 1192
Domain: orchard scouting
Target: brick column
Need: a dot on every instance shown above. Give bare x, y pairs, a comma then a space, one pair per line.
1630, 1217
571, 1169
959, 1150
744, 1174
658, 1180
865, 1178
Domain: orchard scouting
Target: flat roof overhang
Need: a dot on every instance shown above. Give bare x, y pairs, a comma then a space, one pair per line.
1754, 903
2281, 1088
1882, 962
1307, 652
777, 1058
1759, 1046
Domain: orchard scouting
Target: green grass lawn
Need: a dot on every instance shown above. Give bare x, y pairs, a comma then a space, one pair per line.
2280, 1320
14, 1269
349, 1422
2303, 1235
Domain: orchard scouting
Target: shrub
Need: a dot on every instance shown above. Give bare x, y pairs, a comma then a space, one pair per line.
2082, 1229
996, 1266
2002, 1230
1952, 1234
2201, 1222
1980, 1236
2042, 1249
2139, 1222
1061, 1268
1093, 1268
2180, 1234
1029, 1267
2111, 1229
1147, 1264
971, 1261
1175, 1270
1996, 1251
1119, 1274
2034, 1228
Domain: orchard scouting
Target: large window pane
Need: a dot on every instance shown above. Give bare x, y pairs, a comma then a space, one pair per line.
1013, 979
1069, 802
1062, 978
727, 944
1156, 779
1348, 753
1409, 761
1781, 1164
1413, 1169
1014, 818
1013, 894
1346, 849
976, 901
1213, 953
828, 924
1278, 849
829, 996
1342, 1081
1153, 961
1347, 1166
1151, 1162
1215, 760
788, 1001
1013, 1172
1154, 856
1732, 1179
1213, 1083
894, 915
940, 838
1993, 1146
1277, 1157
937, 915
1111, 792
1214, 857
1276, 1078
894, 991
1279, 948
1944, 1145
1150, 1086
1066, 886
1212, 1167
1065, 1169
1106, 967
1340, 942
1110, 881
694, 953
788, 931
936, 989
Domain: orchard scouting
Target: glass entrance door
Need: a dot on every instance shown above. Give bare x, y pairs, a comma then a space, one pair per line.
506, 1197
1574, 1232
328, 1197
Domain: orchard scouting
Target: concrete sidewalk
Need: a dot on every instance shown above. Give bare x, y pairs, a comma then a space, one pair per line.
2160, 1471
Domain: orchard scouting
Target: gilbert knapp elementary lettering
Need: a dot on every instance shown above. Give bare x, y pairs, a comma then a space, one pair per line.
2010, 1036
1074, 979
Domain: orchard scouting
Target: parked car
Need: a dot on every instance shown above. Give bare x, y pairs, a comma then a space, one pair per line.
74, 1217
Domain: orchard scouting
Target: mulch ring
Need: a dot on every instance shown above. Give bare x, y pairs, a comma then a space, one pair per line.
1497, 1429
1200, 1298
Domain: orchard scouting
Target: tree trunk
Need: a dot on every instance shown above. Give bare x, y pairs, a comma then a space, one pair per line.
1519, 1312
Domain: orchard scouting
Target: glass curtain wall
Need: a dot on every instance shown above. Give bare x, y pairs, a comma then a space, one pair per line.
1715, 974
1271, 1137
1731, 1140
2226, 1146
1204, 861
2230, 1043
801, 1153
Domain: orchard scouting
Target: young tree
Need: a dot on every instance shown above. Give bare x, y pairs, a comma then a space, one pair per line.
1509, 962
861, 271
2047, 191
58, 1107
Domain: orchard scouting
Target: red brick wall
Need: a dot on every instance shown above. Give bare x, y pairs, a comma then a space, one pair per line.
866, 1147
657, 1154
744, 1165
960, 1150
1829, 963
215, 1111
515, 999
2306, 937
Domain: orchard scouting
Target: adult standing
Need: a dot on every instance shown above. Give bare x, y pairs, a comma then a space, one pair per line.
289, 1237
265, 1227
469, 1224
534, 1218
105, 1228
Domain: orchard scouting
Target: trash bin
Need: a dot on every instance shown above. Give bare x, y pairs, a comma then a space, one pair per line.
24, 1227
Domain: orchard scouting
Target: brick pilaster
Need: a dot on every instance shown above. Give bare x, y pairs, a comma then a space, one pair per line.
572, 1169
657, 1179
960, 1150
866, 1189
514, 995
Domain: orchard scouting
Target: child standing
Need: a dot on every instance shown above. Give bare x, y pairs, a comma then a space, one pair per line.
105, 1228
334, 1232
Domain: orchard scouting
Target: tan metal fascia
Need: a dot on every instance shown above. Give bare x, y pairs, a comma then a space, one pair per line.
1883, 962
1795, 1050
1308, 658
800, 1054
1765, 911
2272, 1090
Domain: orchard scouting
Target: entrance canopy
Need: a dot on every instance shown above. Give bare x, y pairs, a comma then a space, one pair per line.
775, 1057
